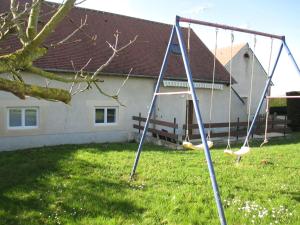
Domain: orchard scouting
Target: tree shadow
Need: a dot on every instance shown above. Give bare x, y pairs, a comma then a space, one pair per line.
37, 188
295, 195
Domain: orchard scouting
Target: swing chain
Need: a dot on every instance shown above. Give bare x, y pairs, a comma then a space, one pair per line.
267, 106
251, 88
230, 93
187, 138
213, 85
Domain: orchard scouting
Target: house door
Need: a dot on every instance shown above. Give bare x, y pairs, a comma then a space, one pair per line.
189, 114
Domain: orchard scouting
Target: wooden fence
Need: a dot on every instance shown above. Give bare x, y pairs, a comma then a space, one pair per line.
169, 130
239, 129
161, 133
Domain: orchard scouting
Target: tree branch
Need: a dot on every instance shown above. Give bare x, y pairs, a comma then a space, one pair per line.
51, 24
20, 59
33, 19
22, 90
20, 27
116, 50
115, 97
33, 49
7, 20
53, 76
82, 24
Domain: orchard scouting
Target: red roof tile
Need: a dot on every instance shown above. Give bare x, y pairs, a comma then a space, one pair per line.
144, 56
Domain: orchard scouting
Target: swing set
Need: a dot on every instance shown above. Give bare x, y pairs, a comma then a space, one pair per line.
206, 140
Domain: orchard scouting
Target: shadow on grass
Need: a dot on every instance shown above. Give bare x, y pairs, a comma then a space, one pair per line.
116, 147
44, 186
294, 195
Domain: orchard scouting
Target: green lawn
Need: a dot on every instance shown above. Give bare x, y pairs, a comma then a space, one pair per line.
278, 102
88, 184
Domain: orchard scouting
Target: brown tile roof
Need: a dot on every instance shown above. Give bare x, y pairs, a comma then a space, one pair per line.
224, 55
145, 56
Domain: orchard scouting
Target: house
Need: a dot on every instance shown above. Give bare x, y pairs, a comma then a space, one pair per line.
92, 117
241, 62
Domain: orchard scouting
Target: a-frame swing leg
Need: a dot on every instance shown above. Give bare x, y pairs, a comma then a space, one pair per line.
177, 29
268, 82
160, 78
200, 125
266, 89
291, 56
261, 101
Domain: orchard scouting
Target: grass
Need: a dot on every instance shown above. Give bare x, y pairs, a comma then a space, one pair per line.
88, 184
278, 102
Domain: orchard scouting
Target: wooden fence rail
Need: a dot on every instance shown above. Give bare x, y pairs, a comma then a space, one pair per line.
238, 128
162, 133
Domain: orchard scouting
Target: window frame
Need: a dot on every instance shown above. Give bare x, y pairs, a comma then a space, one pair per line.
175, 49
105, 123
23, 118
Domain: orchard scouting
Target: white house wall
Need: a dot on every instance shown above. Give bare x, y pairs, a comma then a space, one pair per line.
170, 107
71, 124
241, 71
74, 123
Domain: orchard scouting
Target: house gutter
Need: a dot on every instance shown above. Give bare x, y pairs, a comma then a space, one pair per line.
136, 76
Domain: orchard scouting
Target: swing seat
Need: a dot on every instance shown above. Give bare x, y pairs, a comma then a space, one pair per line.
244, 150
189, 145
201, 146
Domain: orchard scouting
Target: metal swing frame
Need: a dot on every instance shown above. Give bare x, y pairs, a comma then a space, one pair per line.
176, 30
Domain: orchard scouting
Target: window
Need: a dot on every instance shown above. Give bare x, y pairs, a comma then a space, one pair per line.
106, 115
22, 117
246, 55
175, 49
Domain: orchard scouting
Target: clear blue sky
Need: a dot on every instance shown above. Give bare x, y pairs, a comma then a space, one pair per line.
278, 17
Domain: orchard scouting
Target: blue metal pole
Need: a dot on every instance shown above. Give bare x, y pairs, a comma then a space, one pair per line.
200, 124
291, 55
263, 96
160, 78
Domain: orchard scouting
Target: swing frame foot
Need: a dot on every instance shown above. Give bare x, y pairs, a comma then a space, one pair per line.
133, 177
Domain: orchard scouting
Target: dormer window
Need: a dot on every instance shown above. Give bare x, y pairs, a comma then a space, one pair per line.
175, 49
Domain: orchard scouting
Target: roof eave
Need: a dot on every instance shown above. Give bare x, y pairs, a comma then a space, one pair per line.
139, 76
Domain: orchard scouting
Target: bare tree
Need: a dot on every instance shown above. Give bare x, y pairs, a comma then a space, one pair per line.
23, 21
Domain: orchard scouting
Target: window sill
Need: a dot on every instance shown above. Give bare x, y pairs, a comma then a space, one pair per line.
23, 128
105, 124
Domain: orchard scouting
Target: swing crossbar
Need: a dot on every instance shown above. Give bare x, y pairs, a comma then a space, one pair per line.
274, 97
226, 27
173, 93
